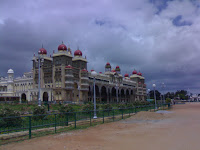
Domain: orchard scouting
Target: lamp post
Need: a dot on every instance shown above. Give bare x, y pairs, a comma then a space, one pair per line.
154, 86
148, 93
40, 60
117, 87
94, 74
79, 93
163, 86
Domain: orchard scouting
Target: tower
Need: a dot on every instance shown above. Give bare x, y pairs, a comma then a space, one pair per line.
10, 87
107, 67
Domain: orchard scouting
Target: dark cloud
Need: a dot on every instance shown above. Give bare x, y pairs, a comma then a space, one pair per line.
137, 34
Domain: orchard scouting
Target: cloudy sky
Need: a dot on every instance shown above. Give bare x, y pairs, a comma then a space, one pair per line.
160, 38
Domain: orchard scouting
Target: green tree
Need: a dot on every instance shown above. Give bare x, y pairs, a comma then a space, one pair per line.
157, 94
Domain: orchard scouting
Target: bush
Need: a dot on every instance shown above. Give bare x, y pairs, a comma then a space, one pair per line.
90, 107
168, 100
129, 105
121, 106
141, 103
66, 108
14, 121
107, 107
39, 112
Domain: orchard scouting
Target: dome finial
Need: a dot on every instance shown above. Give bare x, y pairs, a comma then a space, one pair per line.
62, 42
42, 45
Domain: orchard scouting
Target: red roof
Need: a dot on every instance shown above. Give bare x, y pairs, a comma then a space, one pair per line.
134, 72
100, 72
62, 47
42, 51
69, 67
107, 63
113, 70
78, 53
84, 70
139, 73
117, 67
92, 70
126, 75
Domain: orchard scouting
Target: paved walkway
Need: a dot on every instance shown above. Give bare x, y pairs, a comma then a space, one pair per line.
179, 132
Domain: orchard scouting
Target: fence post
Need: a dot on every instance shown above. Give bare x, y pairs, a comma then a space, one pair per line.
75, 120
67, 118
55, 123
135, 109
29, 127
113, 115
90, 118
122, 113
103, 115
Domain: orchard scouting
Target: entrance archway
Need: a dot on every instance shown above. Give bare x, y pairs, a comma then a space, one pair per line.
23, 97
45, 97
103, 94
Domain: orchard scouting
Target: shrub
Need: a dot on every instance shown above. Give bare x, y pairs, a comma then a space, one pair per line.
107, 107
66, 108
168, 100
15, 120
129, 105
39, 112
121, 106
90, 107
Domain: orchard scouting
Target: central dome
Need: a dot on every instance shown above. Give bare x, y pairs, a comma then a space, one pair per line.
42, 51
62, 47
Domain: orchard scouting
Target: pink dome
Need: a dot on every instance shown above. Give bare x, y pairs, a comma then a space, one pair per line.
126, 75
62, 47
78, 53
84, 70
42, 51
134, 72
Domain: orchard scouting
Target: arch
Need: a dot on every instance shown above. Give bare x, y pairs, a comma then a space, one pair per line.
45, 97
23, 97
103, 94
97, 90
122, 93
89, 92
127, 92
113, 92
131, 92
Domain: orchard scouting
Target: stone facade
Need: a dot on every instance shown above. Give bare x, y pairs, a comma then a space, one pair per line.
64, 77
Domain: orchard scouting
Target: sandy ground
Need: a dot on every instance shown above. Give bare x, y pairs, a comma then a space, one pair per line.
179, 130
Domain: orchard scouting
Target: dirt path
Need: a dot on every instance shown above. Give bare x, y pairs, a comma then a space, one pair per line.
177, 131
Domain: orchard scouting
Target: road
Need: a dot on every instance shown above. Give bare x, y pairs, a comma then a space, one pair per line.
180, 130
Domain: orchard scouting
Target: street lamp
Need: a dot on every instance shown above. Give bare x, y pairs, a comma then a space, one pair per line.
94, 74
163, 86
148, 93
40, 60
117, 87
154, 86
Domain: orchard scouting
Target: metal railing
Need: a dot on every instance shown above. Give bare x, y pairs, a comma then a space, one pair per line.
37, 125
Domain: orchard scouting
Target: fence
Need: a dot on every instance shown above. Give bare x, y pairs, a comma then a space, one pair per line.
24, 127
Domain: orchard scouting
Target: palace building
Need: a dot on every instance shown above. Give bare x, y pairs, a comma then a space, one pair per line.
64, 77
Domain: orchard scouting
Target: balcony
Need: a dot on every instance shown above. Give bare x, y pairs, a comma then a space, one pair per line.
69, 82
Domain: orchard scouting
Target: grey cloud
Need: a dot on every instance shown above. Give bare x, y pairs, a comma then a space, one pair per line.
129, 34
